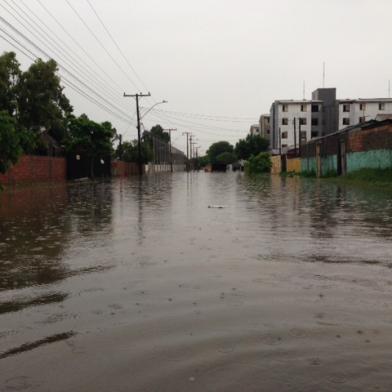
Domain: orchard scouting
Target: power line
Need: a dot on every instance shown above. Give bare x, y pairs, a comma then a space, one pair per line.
56, 48
202, 125
32, 56
208, 116
116, 44
77, 43
100, 43
71, 74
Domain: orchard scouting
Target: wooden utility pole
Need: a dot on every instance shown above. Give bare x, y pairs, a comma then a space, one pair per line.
139, 146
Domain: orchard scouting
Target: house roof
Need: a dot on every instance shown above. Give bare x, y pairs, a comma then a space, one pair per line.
366, 125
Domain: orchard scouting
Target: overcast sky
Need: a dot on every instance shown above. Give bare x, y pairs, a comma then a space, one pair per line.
221, 58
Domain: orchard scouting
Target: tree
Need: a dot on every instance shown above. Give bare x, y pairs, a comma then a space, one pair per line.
261, 163
226, 158
10, 148
91, 139
9, 79
203, 161
251, 145
218, 148
129, 151
41, 100
158, 132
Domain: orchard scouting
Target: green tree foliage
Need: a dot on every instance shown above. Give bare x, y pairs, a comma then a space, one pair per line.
158, 132
217, 149
9, 81
226, 158
90, 139
10, 148
260, 163
41, 100
251, 145
203, 161
129, 152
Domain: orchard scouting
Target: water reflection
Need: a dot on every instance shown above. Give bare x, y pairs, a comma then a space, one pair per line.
267, 289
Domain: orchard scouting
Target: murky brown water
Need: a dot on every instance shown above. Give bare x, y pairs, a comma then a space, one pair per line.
139, 286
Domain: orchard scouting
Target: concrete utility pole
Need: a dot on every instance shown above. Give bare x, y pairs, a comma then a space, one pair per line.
187, 146
139, 146
295, 134
192, 146
170, 130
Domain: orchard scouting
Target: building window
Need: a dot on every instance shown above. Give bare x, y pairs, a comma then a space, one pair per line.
314, 134
362, 106
315, 122
346, 107
284, 145
304, 108
285, 121
315, 108
302, 121
346, 121
381, 106
284, 135
362, 119
303, 135
285, 108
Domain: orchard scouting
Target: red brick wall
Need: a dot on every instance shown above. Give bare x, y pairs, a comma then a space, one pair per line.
124, 169
30, 169
370, 139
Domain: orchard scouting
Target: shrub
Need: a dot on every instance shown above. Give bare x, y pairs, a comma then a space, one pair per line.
260, 163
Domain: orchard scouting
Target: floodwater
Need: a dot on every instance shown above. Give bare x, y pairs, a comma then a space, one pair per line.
136, 285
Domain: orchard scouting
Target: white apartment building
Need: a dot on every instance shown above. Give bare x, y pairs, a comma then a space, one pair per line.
293, 121
355, 111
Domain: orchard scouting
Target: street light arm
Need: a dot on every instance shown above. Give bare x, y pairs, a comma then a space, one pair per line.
152, 107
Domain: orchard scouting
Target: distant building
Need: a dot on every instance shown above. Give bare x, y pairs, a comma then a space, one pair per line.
265, 126
254, 130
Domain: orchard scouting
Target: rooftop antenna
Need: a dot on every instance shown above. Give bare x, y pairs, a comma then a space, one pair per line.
389, 88
303, 91
324, 74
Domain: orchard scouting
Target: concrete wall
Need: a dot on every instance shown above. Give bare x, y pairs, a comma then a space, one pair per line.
33, 169
124, 169
374, 159
366, 146
164, 168
294, 165
276, 164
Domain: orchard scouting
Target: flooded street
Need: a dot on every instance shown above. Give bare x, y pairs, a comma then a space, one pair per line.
136, 285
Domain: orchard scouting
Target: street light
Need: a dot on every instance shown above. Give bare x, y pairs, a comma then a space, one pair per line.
152, 107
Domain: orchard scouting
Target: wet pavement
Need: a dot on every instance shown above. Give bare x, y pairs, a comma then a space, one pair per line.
138, 286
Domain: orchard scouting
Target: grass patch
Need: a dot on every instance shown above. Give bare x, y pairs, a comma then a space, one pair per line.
380, 178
